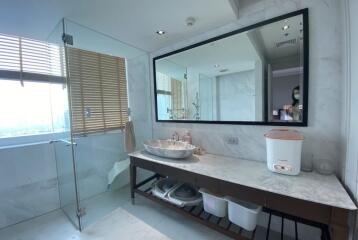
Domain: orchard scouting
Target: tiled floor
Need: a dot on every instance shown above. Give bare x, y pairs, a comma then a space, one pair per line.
144, 220
99, 205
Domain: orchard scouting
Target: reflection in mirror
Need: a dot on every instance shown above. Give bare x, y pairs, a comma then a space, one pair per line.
171, 90
283, 44
252, 76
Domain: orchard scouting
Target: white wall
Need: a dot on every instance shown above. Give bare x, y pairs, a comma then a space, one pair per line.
140, 97
351, 168
322, 136
140, 101
236, 96
207, 98
351, 131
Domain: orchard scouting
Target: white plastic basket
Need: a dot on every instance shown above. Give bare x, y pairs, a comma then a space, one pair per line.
243, 214
214, 204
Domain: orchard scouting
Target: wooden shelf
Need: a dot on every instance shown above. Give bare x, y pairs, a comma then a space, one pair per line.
197, 213
221, 225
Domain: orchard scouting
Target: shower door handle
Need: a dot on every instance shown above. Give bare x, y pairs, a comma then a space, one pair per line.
68, 143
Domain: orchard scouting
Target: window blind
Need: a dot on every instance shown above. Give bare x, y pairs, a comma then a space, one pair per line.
9, 53
177, 98
31, 60
98, 91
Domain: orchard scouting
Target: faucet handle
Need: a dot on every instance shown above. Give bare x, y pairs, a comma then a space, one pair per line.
175, 136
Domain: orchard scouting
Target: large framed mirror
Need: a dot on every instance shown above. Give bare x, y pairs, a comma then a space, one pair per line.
256, 75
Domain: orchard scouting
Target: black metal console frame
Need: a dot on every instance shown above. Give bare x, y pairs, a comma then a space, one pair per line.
199, 215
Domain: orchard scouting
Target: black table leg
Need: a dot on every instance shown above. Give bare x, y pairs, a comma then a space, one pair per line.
132, 180
268, 227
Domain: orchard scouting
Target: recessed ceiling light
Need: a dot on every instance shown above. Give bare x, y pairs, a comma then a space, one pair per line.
190, 21
160, 32
216, 65
284, 28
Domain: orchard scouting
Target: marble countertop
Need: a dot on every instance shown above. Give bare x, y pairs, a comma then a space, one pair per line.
310, 186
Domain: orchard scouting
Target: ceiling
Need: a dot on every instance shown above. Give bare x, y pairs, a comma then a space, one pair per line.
235, 54
239, 52
131, 21
273, 34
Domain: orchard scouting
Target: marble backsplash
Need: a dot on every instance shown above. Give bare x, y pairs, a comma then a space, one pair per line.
323, 136
139, 97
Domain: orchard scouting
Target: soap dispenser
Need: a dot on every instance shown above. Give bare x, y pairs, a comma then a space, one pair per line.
187, 137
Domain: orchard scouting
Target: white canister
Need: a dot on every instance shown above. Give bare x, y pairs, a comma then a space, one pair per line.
243, 214
284, 150
214, 204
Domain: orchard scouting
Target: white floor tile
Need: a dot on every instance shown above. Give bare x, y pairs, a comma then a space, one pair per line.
144, 220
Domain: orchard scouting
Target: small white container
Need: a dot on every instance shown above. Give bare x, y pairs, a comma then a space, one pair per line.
243, 214
284, 149
214, 204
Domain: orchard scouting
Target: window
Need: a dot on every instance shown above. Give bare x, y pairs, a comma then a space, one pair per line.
33, 94
177, 99
34, 108
98, 91
32, 88
170, 97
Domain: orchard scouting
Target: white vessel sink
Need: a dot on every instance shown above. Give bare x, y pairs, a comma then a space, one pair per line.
169, 148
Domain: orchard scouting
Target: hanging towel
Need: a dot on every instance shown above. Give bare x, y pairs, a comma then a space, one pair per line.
129, 137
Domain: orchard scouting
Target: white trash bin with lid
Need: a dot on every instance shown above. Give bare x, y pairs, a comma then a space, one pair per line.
284, 149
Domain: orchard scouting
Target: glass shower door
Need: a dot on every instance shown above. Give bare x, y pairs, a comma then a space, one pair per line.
67, 180
97, 67
172, 92
62, 142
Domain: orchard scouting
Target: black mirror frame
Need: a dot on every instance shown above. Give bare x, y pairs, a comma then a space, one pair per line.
304, 123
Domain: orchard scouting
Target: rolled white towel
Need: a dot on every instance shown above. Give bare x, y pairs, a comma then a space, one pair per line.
117, 169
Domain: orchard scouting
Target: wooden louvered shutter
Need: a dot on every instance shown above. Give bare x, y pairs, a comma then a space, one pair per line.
177, 97
99, 98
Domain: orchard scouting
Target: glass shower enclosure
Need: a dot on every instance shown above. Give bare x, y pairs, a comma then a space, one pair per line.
172, 93
88, 187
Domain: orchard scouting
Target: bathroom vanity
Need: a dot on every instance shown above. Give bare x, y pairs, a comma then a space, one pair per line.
310, 198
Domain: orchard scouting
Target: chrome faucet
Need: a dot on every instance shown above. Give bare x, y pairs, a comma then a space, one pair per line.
175, 136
